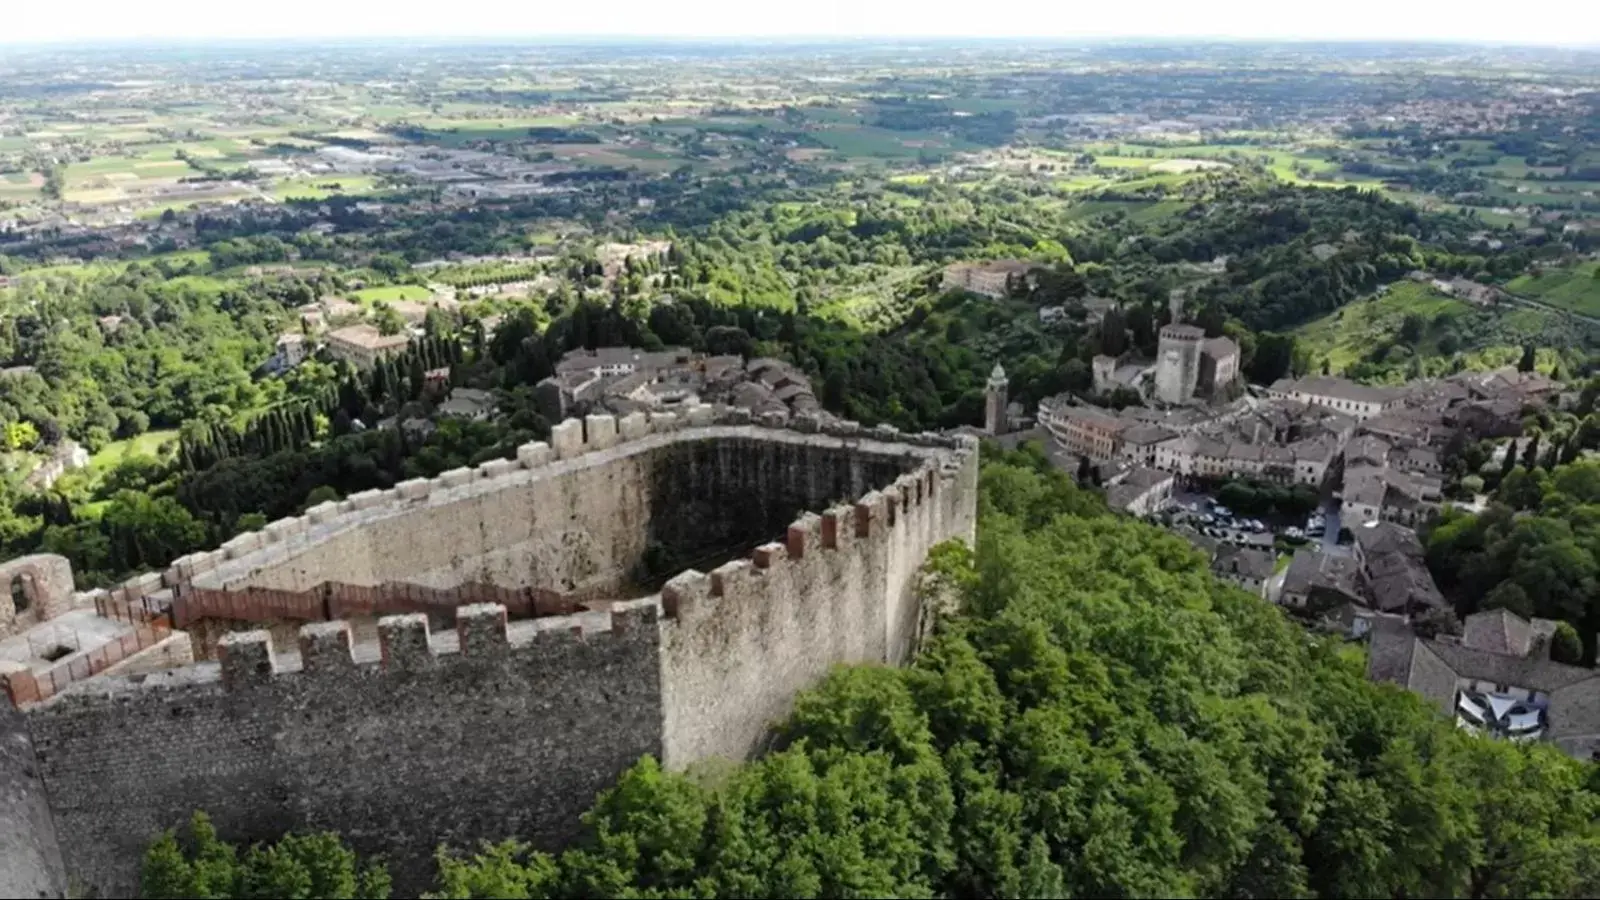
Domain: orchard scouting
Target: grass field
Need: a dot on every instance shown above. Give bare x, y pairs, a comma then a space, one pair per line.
391, 293
147, 444
1280, 161
323, 188
182, 203
1575, 287
20, 185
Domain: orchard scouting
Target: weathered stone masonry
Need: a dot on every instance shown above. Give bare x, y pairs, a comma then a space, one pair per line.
500, 729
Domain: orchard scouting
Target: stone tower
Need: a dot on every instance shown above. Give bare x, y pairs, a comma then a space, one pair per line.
994, 401
1178, 363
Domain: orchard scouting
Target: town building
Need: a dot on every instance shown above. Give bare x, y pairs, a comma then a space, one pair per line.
1315, 581
1219, 366
989, 279
621, 380
605, 361
1084, 430
1247, 567
1126, 372
1143, 491
363, 345
1496, 679
1366, 450
468, 403
1358, 401
290, 350
1380, 493
1394, 572
1141, 441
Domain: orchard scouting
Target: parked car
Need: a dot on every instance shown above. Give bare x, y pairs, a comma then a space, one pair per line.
1222, 511
1293, 532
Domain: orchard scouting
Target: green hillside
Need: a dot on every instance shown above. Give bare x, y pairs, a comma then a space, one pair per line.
1575, 287
1413, 329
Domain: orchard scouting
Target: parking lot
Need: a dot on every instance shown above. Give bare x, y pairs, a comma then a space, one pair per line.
1201, 512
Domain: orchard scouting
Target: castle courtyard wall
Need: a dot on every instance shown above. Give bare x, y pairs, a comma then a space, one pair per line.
840, 587
583, 526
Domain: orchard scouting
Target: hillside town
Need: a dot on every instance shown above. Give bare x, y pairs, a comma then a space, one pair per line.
1367, 459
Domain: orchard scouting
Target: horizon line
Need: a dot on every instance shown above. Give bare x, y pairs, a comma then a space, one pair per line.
769, 38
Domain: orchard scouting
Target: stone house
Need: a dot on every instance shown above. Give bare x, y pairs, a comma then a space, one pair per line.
1314, 580
363, 345
1143, 491
1496, 679
988, 279
1358, 401
1247, 567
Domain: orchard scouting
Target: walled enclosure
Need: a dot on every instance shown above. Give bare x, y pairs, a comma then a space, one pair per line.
511, 728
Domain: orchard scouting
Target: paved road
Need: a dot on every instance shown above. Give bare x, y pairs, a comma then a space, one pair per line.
1330, 538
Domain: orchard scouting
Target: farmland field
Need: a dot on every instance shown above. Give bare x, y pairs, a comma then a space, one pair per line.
391, 293
884, 143
321, 188
1576, 287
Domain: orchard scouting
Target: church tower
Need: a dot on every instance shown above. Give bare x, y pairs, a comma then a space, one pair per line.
994, 401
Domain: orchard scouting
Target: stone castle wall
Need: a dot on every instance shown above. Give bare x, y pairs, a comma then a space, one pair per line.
838, 588
495, 738
497, 730
30, 856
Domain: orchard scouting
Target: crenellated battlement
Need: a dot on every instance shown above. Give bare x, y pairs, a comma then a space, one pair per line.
570, 441
405, 644
412, 678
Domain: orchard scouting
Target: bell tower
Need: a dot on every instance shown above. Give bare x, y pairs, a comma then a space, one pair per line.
994, 401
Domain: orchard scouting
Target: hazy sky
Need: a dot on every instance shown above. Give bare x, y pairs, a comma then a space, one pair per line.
1547, 22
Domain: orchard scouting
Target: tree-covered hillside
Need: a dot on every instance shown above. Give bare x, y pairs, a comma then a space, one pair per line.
1103, 718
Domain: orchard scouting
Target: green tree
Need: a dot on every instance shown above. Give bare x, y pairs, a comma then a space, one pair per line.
505, 871
387, 319
21, 436
298, 867
1565, 645
166, 874
1529, 355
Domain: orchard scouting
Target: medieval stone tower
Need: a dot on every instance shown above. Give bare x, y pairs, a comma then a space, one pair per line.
994, 401
1178, 363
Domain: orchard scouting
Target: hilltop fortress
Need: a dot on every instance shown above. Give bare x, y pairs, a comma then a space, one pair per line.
468, 657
